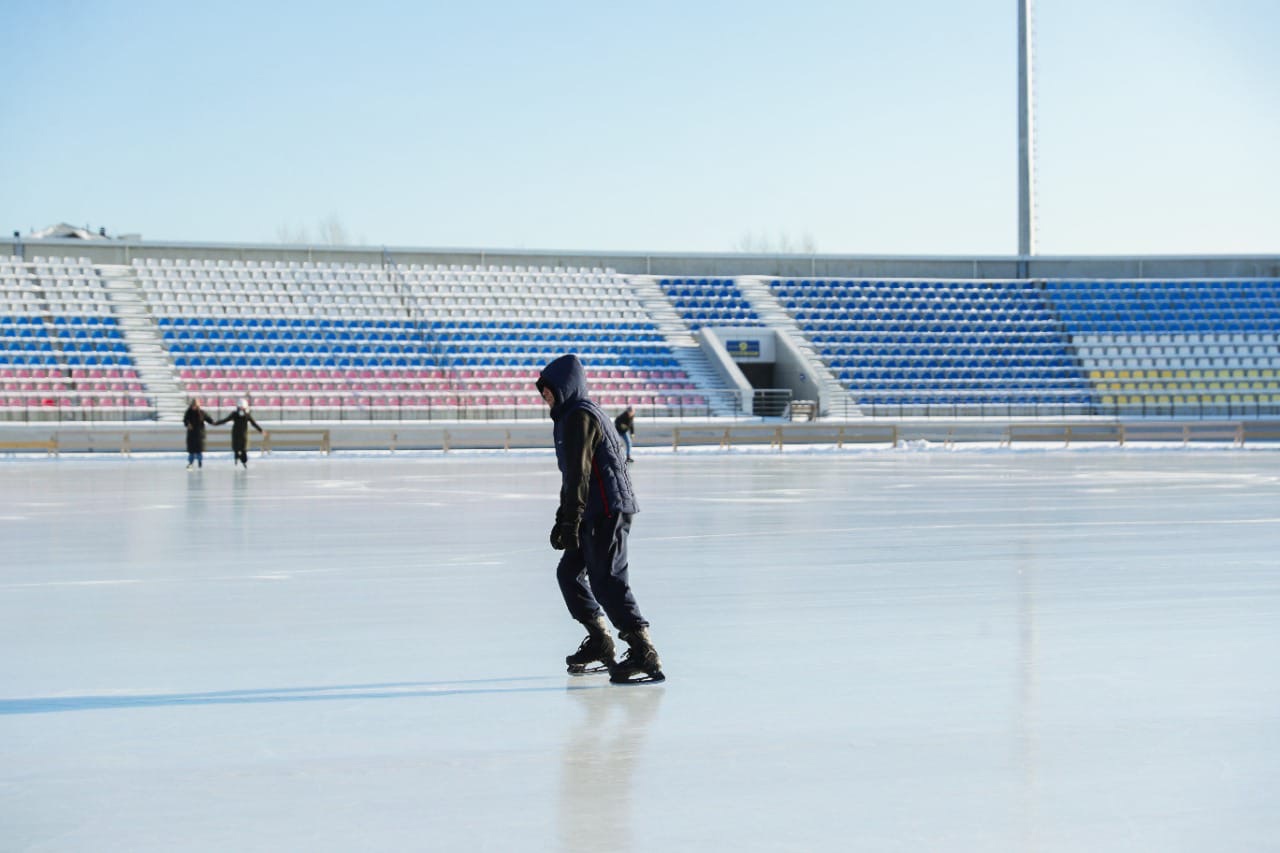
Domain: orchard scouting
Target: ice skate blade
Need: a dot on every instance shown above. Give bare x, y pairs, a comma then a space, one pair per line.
656, 678
583, 669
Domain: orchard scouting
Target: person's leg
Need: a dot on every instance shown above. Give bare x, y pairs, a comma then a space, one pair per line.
608, 570
604, 543
627, 436
571, 574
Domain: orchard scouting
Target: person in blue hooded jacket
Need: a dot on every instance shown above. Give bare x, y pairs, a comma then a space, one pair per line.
591, 527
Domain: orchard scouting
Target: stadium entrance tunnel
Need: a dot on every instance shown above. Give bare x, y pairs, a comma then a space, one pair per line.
763, 366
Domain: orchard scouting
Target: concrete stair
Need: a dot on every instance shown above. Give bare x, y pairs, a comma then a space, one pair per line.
836, 399
146, 345
684, 346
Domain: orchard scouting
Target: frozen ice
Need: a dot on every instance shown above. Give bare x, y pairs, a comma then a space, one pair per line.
877, 650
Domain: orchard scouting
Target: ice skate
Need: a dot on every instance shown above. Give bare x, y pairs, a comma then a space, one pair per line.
596, 652
640, 665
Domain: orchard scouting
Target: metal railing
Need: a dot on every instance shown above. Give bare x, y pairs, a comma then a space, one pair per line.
70, 408
458, 406
342, 404
1199, 408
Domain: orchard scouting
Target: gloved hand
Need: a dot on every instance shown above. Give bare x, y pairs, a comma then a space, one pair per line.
564, 535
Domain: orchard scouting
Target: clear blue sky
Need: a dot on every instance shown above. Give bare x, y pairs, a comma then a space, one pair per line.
861, 127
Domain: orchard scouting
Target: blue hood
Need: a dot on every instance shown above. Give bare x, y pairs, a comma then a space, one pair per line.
567, 379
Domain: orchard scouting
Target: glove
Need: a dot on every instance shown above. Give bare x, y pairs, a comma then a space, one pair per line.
564, 535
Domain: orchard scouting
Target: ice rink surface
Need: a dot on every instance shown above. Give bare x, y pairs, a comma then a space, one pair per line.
912, 650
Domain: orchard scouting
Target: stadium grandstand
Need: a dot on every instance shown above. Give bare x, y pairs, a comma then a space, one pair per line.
131, 332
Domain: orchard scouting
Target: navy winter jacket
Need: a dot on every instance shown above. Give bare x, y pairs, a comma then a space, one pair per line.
594, 478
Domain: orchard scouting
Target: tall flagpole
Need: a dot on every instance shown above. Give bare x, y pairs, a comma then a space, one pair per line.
1026, 127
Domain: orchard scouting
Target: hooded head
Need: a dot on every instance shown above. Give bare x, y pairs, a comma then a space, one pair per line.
244, 404
566, 379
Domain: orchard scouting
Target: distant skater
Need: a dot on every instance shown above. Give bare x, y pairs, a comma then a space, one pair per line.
591, 528
240, 421
626, 426
194, 420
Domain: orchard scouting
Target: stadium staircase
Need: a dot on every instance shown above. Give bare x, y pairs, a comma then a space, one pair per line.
684, 346
150, 357
836, 398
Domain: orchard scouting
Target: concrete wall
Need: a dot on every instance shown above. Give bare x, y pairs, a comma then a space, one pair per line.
789, 371
682, 264
725, 366
763, 338
137, 438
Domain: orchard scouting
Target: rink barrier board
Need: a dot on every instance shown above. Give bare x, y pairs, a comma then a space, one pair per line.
777, 437
1234, 432
50, 447
297, 439
132, 437
1186, 433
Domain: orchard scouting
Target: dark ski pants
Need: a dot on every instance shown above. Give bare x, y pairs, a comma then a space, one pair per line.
594, 575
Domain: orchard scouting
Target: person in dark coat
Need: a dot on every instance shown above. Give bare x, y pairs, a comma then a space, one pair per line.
626, 426
240, 420
591, 527
194, 420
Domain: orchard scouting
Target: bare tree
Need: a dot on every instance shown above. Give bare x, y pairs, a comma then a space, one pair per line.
782, 244
333, 232
292, 236
330, 232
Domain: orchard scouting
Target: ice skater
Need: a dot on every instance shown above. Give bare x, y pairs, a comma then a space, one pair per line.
626, 424
194, 420
591, 527
240, 421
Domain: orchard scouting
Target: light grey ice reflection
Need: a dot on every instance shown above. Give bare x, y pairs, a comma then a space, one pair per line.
605, 742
